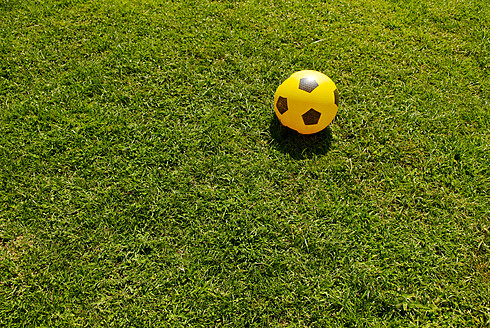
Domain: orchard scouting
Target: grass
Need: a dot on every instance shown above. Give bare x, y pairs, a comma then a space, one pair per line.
144, 180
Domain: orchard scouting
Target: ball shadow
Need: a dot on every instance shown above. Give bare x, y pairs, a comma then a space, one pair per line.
299, 146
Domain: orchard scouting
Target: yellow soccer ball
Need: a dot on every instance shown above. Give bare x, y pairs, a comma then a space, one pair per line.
306, 102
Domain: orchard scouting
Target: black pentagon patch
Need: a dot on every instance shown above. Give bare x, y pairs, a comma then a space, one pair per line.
308, 84
311, 117
282, 105
336, 94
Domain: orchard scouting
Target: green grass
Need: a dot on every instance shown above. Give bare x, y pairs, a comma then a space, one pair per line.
145, 182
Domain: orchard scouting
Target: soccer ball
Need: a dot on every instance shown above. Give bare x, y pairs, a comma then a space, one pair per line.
306, 102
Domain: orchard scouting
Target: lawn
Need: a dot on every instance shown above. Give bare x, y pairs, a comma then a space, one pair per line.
146, 182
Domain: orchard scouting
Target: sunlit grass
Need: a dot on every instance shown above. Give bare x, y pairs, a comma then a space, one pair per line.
146, 182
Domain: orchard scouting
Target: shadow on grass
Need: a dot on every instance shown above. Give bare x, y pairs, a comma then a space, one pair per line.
297, 145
